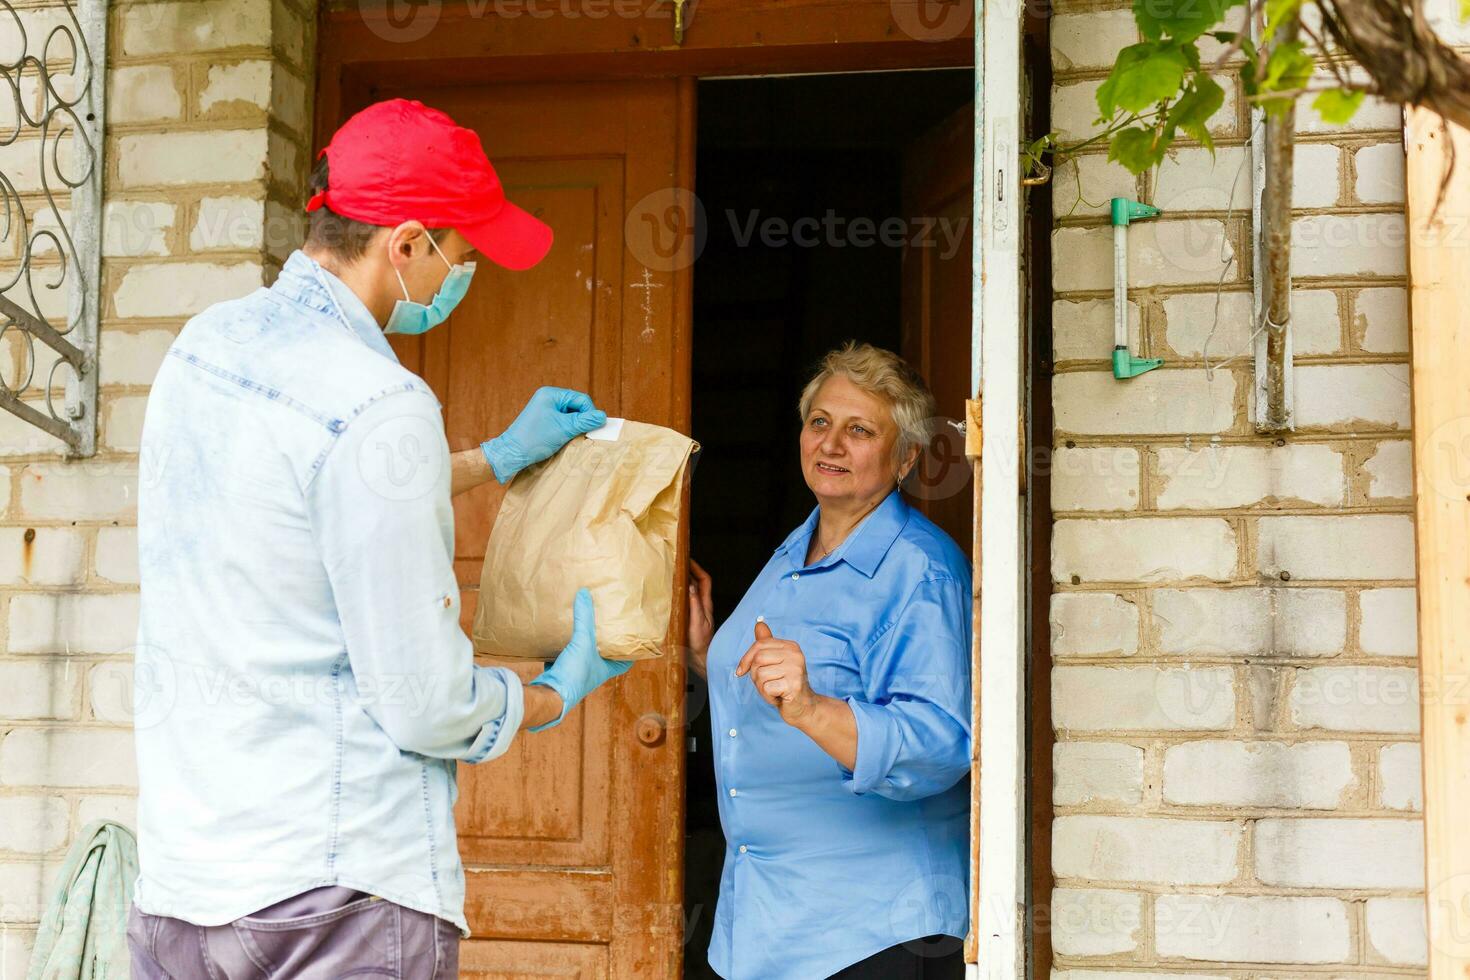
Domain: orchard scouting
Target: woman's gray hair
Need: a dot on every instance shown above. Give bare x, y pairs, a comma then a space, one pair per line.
884, 374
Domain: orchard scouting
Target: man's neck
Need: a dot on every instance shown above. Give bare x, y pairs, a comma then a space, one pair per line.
357, 277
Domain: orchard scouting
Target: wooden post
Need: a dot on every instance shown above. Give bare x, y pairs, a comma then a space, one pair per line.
1439, 262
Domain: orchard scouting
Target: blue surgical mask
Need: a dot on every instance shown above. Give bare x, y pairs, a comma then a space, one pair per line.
409, 317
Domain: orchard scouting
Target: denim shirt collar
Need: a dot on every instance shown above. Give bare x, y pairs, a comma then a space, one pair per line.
299, 283
864, 547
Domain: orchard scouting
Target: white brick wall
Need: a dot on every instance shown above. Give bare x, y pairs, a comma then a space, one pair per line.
1233, 689
207, 99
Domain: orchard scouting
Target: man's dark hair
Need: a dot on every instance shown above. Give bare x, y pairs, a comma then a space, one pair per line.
345, 239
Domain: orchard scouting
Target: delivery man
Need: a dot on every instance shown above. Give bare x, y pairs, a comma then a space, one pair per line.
303, 687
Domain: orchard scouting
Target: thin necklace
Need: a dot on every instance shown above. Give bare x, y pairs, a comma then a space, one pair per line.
854, 526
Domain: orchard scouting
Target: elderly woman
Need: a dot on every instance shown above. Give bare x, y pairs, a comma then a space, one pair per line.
839, 693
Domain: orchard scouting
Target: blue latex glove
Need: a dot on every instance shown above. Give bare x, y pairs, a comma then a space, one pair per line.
580, 669
551, 419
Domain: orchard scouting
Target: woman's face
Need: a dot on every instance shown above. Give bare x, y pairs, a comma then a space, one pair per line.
847, 444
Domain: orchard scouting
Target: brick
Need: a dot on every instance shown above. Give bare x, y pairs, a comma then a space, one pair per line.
1380, 173
289, 101
1178, 251
1088, 252
1396, 932
1095, 921
1094, 478
21, 160
1181, 401
1401, 777
1219, 477
117, 554
172, 159
1116, 974
1091, 39
1194, 179
246, 82
1390, 471
1197, 326
132, 358
1356, 699
1381, 319
26, 888
1352, 394
1389, 623
20, 438
33, 824
285, 230
1340, 853
183, 288
1095, 698
1093, 624
15, 948
1349, 245
1105, 772
1146, 849
1368, 546
1153, 549
1083, 329
1092, 177
1316, 327
1373, 114
1074, 108
228, 223
122, 421
56, 757
1306, 775
285, 159
1266, 622
196, 25
73, 622
97, 490
123, 809
1252, 929
1445, 18
1315, 176
110, 692
38, 690
143, 93
131, 229
53, 556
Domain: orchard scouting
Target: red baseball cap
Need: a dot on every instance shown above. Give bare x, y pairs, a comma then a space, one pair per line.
400, 160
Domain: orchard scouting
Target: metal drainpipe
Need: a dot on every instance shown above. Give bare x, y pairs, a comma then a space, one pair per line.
1275, 240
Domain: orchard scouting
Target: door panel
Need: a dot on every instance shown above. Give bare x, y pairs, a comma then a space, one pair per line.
937, 293
537, 827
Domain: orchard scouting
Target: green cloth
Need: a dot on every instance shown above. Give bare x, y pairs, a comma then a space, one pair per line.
83, 935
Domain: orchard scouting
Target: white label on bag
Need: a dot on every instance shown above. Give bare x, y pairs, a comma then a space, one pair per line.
609, 432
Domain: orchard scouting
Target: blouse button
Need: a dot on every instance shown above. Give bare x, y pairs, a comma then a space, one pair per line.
743, 848
734, 791
732, 733
795, 575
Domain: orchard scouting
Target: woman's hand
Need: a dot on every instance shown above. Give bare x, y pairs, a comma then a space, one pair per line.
777, 668
701, 616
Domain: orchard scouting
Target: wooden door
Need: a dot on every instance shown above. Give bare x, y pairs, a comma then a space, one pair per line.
573, 841
938, 200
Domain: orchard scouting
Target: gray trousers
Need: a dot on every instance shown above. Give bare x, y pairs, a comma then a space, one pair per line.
322, 934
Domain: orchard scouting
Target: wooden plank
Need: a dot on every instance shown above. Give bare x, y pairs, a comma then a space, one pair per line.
1000, 725
1439, 257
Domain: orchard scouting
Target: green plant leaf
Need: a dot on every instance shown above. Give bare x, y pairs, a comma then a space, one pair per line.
1137, 148
1337, 105
1143, 75
1182, 20
1287, 69
1191, 113
1279, 12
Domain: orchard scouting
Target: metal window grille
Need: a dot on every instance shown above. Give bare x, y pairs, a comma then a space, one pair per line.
52, 62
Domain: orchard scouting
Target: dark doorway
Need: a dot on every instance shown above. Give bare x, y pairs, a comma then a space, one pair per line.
798, 178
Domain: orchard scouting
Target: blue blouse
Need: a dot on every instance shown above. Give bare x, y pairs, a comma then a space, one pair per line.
826, 866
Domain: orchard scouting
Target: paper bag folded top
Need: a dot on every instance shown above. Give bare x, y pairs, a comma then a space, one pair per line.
603, 514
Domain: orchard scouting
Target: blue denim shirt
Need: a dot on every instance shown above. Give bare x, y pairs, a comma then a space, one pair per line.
303, 687
825, 866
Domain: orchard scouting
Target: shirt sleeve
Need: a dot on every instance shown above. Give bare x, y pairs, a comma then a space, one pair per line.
380, 512
914, 722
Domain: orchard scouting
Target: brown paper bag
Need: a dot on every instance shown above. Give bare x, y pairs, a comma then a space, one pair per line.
602, 514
